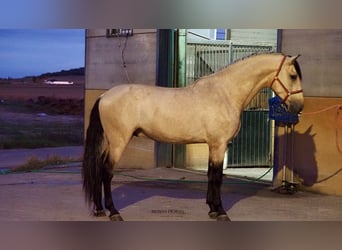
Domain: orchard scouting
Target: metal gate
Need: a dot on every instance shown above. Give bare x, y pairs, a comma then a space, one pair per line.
252, 146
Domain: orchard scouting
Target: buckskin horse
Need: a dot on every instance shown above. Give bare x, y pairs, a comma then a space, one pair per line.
207, 111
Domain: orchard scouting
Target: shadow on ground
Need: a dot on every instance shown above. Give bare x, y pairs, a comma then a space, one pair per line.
233, 191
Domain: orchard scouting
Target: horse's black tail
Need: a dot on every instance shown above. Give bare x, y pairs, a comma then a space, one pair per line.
92, 159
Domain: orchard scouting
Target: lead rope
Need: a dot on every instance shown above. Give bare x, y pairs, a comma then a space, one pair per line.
338, 107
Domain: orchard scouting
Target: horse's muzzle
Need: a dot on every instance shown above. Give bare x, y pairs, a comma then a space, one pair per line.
295, 107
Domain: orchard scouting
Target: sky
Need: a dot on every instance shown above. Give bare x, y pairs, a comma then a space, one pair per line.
25, 52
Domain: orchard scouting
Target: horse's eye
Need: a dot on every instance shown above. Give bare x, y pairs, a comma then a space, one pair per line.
293, 77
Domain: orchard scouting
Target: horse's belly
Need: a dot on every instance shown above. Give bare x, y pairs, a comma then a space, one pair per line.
172, 135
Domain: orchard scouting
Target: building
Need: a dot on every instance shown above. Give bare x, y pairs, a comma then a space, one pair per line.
157, 57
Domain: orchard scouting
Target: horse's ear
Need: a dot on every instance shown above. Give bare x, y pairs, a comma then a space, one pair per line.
294, 58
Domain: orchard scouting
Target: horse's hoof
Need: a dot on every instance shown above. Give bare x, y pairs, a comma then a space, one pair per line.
115, 217
213, 215
222, 217
99, 213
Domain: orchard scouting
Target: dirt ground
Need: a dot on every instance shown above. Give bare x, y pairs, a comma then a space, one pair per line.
40, 126
32, 111
21, 117
159, 194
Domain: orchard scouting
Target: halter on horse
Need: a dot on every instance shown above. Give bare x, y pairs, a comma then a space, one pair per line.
276, 79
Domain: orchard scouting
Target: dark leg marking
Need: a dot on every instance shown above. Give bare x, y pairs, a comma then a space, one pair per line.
215, 175
107, 177
98, 210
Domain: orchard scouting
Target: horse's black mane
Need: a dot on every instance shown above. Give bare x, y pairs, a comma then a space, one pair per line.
254, 54
297, 67
296, 64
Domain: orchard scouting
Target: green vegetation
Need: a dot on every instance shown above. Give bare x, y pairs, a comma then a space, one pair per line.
34, 163
36, 135
74, 72
38, 124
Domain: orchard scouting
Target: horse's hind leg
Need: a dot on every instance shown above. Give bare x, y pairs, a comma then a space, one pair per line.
98, 210
117, 146
107, 177
215, 175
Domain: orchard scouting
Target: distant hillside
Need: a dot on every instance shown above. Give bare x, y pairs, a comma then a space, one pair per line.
74, 72
77, 76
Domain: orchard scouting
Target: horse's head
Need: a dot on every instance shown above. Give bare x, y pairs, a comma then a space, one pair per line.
287, 84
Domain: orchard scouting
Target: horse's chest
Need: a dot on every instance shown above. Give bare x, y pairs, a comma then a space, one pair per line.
224, 126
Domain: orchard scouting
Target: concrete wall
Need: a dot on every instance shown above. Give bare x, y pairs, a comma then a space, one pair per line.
255, 36
318, 135
239, 36
321, 59
113, 61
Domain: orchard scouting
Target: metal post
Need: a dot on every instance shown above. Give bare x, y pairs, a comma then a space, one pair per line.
181, 62
179, 149
165, 78
292, 152
230, 58
293, 187
280, 114
289, 187
284, 155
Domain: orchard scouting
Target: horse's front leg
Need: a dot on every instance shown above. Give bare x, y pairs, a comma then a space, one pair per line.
215, 175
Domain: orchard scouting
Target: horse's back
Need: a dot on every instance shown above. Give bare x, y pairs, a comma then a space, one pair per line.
175, 115
131, 104
157, 111
122, 102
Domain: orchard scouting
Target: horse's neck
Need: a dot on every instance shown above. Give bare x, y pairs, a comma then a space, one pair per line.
246, 78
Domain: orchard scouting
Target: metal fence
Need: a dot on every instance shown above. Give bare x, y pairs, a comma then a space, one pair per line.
252, 146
